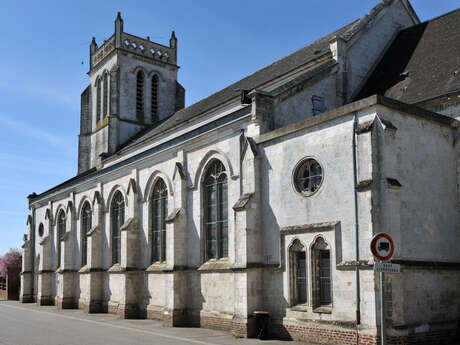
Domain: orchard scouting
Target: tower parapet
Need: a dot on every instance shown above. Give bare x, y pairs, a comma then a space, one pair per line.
133, 44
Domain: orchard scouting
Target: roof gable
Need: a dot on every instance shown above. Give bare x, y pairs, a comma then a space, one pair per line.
421, 62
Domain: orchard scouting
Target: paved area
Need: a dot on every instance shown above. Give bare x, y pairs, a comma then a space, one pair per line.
28, 324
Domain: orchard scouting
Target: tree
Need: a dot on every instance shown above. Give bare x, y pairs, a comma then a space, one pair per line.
12, 258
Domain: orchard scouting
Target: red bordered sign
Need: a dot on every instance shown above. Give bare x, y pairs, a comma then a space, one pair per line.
382, 246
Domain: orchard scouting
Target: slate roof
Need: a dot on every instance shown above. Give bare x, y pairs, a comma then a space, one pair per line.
260, 77
421, 63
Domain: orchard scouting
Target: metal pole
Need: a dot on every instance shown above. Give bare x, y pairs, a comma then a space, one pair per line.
382, 311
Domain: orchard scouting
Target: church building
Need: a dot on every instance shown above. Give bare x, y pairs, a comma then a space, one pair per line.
265, 195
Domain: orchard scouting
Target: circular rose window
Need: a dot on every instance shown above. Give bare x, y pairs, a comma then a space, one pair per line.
308, 176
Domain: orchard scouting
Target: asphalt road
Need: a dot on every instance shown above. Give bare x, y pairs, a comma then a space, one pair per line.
28, 324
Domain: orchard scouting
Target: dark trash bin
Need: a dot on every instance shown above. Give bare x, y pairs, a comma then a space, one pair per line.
262, 319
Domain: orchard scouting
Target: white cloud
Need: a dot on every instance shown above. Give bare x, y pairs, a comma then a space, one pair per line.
27, 130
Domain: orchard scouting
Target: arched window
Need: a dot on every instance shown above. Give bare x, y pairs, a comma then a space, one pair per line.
117, 212
98, 101
159, 206
60, 234
85, 227
321, 274
106, 95
154, 98
298, 273
140, 94
216, 211
41, 230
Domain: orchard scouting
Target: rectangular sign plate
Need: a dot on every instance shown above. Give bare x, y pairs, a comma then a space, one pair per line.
386, 267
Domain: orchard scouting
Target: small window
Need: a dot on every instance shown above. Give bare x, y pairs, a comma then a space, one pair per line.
318, 104
321, 269
41, 230
85, 228
308, 176
154, 98
117, 214
140, 95
159, 204
60, 234
298, 275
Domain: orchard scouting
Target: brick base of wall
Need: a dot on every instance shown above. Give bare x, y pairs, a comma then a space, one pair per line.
124, 311
26, 299
319, 335
218, 323
92, 306
45, 300
343, 336
65, 303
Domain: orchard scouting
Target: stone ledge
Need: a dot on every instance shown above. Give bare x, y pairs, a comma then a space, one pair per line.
215, 265
304, 228
157, 267
242, 202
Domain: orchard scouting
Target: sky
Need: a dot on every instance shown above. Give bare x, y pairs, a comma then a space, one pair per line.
44, 59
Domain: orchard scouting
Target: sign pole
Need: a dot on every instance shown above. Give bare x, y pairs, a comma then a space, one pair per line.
382, 311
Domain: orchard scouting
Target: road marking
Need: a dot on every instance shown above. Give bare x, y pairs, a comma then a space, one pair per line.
187, 340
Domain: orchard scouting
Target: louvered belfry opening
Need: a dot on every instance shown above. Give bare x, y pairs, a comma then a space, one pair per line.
140, 95
154, 99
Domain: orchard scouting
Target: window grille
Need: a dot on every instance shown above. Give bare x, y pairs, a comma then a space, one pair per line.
301, 277
216, 211
85, 228
60, 234
106, 95
98, 101
324, 277
159, 205
308, 176
140, 94
154, 98
318, 104
321, 268
118, 218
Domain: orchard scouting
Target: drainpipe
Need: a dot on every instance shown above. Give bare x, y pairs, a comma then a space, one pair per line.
355, 180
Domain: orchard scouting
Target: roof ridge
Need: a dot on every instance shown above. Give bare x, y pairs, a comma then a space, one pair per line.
434, 18
364, 20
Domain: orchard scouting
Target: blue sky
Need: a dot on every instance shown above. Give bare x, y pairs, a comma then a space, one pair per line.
44, 60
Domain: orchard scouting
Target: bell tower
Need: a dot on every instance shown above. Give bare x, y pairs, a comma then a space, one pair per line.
133, 86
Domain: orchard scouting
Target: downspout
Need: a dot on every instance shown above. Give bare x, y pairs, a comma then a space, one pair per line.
32, 235
355, 182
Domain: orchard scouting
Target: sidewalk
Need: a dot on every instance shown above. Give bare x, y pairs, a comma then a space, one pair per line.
25, 324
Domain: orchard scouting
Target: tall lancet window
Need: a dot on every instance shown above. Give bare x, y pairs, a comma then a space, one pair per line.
154, 98
140, 94
98, 101
106, 96
60, 234
159, 206
84, 229
117, 213
216, 211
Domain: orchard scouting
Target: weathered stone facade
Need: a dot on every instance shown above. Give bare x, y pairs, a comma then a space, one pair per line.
386, 166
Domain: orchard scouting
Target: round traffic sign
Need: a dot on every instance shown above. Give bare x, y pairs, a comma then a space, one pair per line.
382, 246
